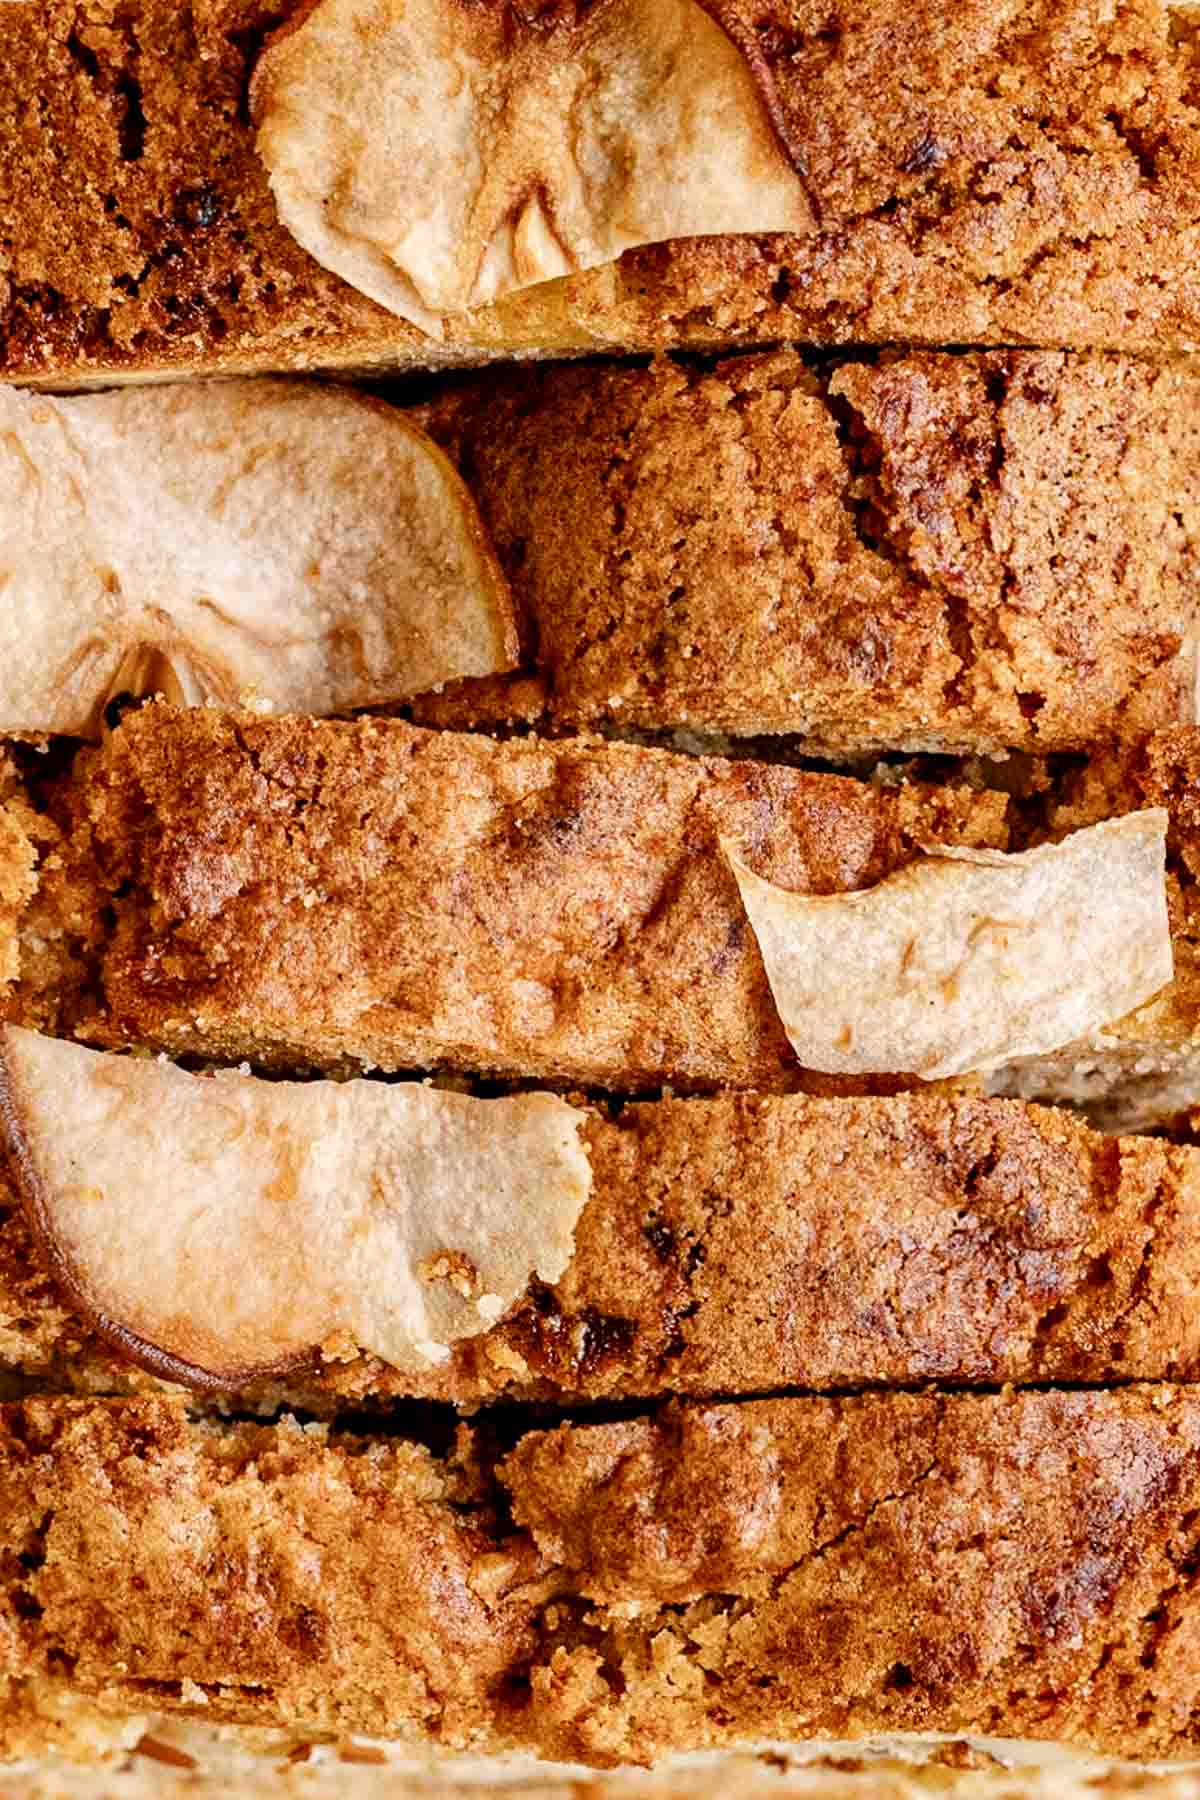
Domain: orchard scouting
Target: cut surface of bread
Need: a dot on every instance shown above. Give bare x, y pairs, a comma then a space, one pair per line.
1013, 1566
977, 174
311, 894
737, 1245
558, 911
970, 552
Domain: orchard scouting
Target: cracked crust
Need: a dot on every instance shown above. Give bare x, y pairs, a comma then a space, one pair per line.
879, 1562
1015, 1565
555, 911
966, 552
742, 1244
958, 159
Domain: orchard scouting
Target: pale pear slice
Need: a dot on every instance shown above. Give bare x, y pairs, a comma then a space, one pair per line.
438, 155
969, 958
221, 1227
291, 547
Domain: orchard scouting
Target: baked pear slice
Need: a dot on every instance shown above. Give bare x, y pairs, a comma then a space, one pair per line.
969, 959
278, 545
221, 1227
438, 156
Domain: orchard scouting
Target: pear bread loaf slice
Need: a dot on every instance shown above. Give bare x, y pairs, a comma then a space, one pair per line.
966, 553
242, 188
971, 553
1012, 1565
332, 1245
313, 895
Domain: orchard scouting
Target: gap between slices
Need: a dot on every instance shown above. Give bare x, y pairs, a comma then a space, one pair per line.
438, 156
219, 1228
968, 959
268, 544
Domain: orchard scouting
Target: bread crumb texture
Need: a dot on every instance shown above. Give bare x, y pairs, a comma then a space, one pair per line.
971, 552
740, 1245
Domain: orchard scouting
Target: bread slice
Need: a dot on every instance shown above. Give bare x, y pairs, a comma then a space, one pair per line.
562, 911
1012, 1565
972, 178
744, 1245
314, 895
968, 553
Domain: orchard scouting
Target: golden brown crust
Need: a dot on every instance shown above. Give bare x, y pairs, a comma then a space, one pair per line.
313, 894
963, 551
1015, 1565
959, 157
744, 1245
